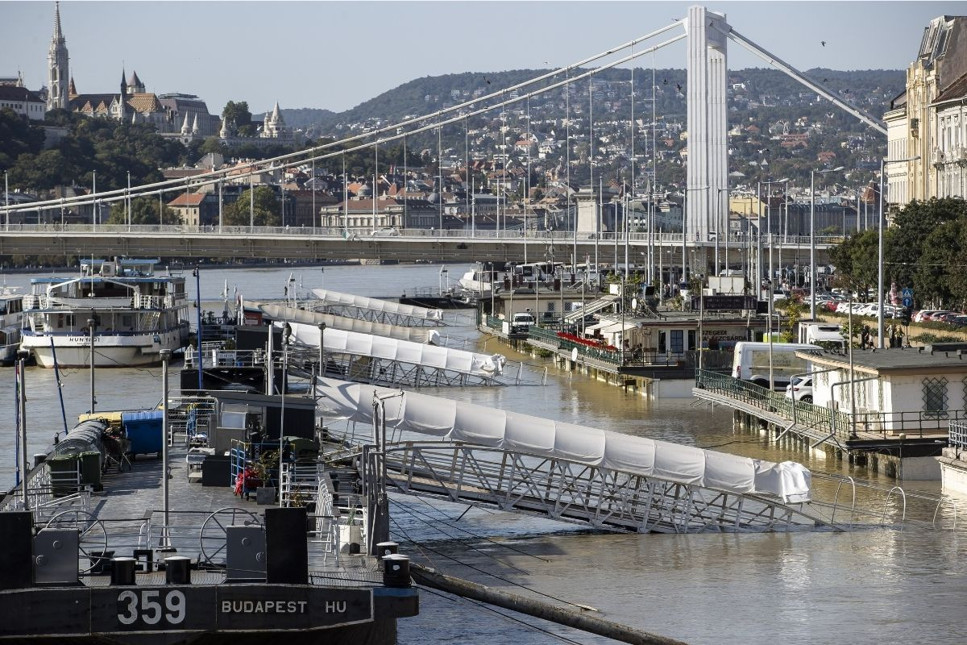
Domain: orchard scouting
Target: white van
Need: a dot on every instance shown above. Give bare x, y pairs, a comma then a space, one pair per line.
750, 362
824, 334
522, 321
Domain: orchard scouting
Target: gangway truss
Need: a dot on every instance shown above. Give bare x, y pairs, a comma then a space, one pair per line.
374, 309
366, 358
591, 308
292, 314
514, 462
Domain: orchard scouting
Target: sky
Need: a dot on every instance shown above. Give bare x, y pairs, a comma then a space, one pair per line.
336, 55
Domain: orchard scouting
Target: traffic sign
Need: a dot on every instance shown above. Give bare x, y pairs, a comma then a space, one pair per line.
907, 293
907, 302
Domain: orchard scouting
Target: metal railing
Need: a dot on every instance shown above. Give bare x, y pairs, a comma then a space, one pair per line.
957, 434
840, 423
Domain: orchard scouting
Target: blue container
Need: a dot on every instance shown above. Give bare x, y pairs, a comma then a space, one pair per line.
144, 431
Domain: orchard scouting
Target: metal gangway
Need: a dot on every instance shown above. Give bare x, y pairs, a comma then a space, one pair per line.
293, 314
514, 462
592, 307
367, 358
374, 309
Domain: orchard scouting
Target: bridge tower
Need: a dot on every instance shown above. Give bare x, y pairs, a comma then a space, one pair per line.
707, 167
588, 220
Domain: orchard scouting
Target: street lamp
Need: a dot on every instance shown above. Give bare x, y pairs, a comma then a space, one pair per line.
197, 274
769, 216
684, 228
879, 279
812, 237
718, 231
322, 350
91, 326
22, 356
165, 356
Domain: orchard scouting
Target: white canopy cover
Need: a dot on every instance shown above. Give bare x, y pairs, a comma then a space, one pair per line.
375, 304
460, 421
444, 358
414, 334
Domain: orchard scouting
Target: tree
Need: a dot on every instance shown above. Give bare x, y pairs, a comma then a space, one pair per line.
18, 137
856, 260
239, 115
144, 211
267, 210
912, 226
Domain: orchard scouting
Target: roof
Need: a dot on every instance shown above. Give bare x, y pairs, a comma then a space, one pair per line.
956, 91
906, 360
14, 93
190, 199
145, 103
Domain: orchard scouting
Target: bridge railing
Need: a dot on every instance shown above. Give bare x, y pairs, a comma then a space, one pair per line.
362, 233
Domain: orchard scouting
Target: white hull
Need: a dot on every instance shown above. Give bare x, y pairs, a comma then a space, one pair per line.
74, 350
475, 286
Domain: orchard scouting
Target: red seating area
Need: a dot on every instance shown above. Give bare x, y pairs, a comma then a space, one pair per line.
587, 342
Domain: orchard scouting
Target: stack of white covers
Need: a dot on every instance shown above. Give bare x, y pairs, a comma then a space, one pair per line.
340, 341
478, 425
375, 304
291, 314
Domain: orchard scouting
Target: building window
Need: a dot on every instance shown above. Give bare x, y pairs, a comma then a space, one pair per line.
935, 398
677, 341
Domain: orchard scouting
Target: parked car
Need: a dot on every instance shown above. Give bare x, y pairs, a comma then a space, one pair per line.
801, 389
923, 315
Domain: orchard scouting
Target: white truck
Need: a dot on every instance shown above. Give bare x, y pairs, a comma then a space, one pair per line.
751, 362
825, 334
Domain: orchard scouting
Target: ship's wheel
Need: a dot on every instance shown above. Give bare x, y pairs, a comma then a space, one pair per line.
213, 536
92, 536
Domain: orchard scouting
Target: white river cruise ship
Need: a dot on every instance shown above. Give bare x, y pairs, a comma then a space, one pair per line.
135, 315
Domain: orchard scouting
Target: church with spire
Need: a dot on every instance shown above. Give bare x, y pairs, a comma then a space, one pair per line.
176, 115
179, 115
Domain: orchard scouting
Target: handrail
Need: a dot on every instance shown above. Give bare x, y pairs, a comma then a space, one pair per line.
836, 422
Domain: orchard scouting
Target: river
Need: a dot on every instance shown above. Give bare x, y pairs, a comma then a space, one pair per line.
878, 585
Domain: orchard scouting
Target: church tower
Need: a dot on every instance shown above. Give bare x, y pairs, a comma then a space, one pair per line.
57, 71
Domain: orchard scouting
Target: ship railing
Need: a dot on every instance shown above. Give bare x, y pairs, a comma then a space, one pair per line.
141, 301
327, 521
957, 437
213, 355
299, 483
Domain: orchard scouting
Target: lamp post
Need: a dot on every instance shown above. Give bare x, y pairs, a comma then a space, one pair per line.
22, 356
127, 201
6, 200
91, 325
812, 237
198, 354
879, 264
322, 350
165, 355
718, 232
769, 218
684, 228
